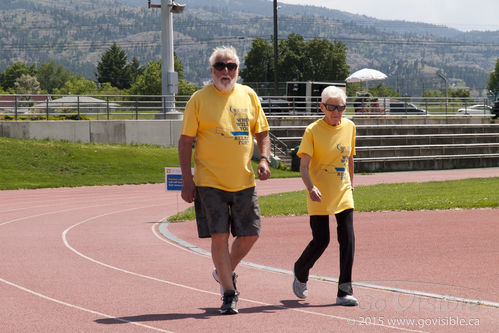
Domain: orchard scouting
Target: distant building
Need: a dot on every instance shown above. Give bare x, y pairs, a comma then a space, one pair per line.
85, 104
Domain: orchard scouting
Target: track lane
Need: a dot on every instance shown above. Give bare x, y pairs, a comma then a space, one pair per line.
128, 241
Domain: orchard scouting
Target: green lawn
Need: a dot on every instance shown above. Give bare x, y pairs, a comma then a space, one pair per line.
28, 164
43, 163
456, 194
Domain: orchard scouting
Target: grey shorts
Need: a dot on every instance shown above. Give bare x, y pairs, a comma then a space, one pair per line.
219, 211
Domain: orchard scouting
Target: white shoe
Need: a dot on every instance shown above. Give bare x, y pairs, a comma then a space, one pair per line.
347, 300
215, 276
300, 289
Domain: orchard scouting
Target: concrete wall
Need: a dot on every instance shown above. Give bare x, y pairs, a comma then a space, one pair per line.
155, 132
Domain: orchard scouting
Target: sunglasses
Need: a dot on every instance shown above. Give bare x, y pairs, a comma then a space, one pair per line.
220, 66
332, 107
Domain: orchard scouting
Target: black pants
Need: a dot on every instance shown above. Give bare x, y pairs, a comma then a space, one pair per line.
319, 243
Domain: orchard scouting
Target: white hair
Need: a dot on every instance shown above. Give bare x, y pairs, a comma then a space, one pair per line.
224, 51
333, 92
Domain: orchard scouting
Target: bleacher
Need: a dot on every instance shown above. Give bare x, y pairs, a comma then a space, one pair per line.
404, 143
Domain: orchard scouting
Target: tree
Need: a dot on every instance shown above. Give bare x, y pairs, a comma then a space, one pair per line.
113, 68
433, 93
149, 83
27, 85
299, 60
325, 60
186, 89
77, 85
464, 93
135, 69
454, 93
260, 56
354, 88
493, 82
291, 58
380, 90
107, 89
15, 71
52, 77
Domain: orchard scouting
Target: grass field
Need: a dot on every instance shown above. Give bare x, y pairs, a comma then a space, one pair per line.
456, 194
27, 164
42, 163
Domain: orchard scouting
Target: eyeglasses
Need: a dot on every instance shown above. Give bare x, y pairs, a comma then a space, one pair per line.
332, 107
220, 66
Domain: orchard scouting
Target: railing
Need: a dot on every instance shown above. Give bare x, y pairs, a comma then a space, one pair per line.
277, 146
94, 107
119, 107
385, 106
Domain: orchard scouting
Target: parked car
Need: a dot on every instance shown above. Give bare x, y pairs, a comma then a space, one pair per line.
475, 110
405, 108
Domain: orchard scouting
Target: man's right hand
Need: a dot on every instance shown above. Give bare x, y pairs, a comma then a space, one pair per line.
188, 191
184, 157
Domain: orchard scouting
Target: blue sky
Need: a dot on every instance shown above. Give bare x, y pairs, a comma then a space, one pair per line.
464, 15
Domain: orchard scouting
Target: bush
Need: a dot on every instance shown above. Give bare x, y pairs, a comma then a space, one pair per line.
60, 117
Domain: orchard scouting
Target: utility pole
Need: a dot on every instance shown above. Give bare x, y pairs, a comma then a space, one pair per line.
169, 78
443, 77
276, 82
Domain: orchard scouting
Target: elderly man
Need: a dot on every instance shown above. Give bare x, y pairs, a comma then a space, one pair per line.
224, 117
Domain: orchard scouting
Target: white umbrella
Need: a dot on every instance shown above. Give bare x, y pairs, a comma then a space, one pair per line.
366, 74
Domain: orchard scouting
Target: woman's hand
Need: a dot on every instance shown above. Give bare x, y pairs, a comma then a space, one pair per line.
315, 194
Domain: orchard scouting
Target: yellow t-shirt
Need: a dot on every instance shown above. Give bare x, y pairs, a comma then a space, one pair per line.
224, 125
330, 147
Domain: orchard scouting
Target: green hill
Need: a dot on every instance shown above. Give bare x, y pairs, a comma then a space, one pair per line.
76, 33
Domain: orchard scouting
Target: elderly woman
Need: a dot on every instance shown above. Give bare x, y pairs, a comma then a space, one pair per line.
326, 168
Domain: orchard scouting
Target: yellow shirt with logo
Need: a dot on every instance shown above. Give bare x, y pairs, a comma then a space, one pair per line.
330, 148
224, 125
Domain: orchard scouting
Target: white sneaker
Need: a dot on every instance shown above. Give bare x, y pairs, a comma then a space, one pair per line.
300, 289
215, 276
347, 300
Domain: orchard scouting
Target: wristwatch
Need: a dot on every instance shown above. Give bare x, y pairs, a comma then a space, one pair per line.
265, 158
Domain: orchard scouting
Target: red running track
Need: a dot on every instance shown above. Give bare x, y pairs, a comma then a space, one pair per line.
91, 259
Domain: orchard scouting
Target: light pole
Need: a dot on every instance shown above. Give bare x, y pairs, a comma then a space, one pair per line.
169, 78
276, 82
443, 77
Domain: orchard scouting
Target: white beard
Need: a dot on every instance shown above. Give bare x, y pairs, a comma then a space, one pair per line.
225, 86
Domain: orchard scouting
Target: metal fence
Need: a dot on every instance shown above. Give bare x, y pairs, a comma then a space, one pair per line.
95, 107
122, 107
383, 106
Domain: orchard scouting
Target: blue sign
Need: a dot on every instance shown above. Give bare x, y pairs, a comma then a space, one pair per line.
173, 179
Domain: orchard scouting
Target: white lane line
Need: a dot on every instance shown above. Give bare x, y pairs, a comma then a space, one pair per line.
185, 246
61, 211
163, 228
43, 214
81, 308
66, 243
61, 202
66, 303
